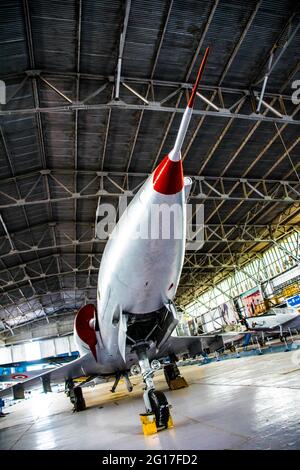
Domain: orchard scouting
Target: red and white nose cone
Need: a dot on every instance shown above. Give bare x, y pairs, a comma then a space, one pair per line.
168, 176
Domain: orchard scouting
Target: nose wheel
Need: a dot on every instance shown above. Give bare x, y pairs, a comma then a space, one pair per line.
160, 407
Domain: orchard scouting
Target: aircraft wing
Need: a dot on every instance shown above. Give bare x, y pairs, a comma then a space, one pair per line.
50, 360
21, 376
191, 345
83, 366
194, 345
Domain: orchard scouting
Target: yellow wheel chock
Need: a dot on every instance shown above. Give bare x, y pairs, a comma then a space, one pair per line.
149, 424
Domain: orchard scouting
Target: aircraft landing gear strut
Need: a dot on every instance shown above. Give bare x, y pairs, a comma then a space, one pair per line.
119, 375
76, 396
156, 403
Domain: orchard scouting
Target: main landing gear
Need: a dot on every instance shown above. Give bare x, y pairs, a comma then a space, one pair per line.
119, 375
75, 394
172, 375
157, 416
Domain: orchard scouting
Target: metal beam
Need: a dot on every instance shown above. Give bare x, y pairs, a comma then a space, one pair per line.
185, 85
168, 84
212, 233
6, 286
277, 51
28, 34
204, 260
207, 280
61, 323
208, 262
44, 293
121, 105
7, 233
121, 47
205, 188
278, 160
239, 42
57, 91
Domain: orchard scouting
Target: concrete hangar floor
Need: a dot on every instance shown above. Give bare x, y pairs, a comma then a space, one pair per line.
246, 403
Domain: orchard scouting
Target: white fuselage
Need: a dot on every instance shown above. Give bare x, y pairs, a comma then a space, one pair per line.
139, 272
140, 263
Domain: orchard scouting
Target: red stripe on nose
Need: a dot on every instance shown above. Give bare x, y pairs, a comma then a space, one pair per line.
168, 177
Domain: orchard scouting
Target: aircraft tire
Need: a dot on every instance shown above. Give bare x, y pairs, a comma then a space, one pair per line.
160, 408
79, 402
171, 372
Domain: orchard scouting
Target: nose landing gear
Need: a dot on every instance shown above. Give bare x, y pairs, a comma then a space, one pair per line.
157, 416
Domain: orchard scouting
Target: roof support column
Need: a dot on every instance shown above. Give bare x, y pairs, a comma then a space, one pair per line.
121, 48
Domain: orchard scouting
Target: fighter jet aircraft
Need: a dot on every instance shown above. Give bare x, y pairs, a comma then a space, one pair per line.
131, 328
277, 322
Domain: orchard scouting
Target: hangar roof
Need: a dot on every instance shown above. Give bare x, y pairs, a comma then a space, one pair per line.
66, 141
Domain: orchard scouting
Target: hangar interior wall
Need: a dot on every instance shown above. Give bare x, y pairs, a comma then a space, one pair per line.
37, 349
270, 272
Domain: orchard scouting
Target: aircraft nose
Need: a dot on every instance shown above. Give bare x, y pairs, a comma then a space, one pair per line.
168, 176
